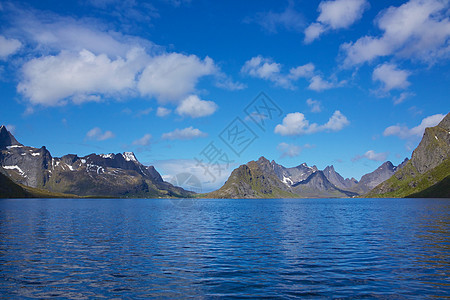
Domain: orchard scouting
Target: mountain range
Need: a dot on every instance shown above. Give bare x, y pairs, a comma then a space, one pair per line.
267, 179
33, 172
104, 175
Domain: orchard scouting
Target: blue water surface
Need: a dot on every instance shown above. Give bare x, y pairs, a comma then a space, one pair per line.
273, 248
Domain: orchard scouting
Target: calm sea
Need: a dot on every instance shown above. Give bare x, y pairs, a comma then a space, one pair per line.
296, 248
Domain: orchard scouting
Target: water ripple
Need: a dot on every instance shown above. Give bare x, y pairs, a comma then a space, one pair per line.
282, 249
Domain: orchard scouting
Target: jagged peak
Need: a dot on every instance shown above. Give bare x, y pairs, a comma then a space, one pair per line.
263, 159
129, 156
109, 155
329, 168
7, 139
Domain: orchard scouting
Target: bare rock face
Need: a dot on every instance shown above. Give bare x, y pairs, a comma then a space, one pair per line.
115, 175
339, 181
434, 147
7, 139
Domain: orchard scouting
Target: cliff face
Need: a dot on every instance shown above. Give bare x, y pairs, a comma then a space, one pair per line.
429, 166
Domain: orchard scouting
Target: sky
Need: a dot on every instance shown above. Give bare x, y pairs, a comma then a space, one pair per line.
202, 87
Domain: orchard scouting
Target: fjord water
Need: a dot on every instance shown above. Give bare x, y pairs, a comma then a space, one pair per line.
278, 248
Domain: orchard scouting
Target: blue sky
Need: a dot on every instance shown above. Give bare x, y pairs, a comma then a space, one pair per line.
351, 83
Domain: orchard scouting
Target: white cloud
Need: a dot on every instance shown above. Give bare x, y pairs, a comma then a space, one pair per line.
111, 63
314, 105
341, 13
313, 32
318, 84
97, 134
263, 68
51, 80
372, 155
8, 47
335, 15
404, 132
170, 168
391, 77
188, 133
417, 29
336, 123
305, 71
162, 111
48, 31
193, 107
170, 77
297, 124
266, 68
402, 97
290, 150
143, 141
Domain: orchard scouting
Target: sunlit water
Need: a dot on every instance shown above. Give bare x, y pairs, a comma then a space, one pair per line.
305, 248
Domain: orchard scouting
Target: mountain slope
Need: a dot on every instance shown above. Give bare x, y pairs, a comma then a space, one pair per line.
429, 166
372, 179
264, 179
339, 181
104, 175
318, 186
256, 179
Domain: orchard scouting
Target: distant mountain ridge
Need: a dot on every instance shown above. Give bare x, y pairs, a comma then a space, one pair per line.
103, 175
265, 179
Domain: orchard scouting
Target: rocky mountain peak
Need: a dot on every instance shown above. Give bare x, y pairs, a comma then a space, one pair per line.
7, 139
129, 156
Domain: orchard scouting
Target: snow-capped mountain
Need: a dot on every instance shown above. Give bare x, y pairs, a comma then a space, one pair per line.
116, 175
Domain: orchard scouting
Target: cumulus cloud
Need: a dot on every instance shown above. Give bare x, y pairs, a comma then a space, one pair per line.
314, 105
91, 62
143, 141
404, 132
188, 133
97, 134
297, 124
51, 80
162, 111
8, 47
416, 29
372, 155
313, 32
335, 15
194, 107
267, 69
391, 77
318, 84
305, 71
170, 77
47, 31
